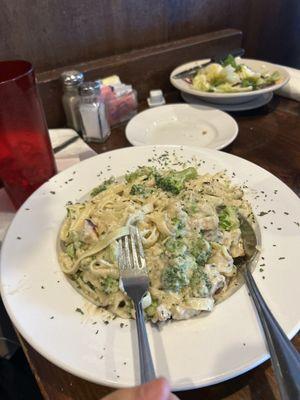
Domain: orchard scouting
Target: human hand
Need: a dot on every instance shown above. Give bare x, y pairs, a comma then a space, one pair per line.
159, 389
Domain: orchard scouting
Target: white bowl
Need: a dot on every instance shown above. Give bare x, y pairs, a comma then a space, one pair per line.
231, 98
197, 352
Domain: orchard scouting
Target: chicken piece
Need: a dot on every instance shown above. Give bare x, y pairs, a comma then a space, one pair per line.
217, 280
199, 223
222, 259
233, 242
89, 233
163, 313
192, 307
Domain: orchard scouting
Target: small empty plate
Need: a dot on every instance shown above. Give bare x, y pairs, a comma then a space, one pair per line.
182, 124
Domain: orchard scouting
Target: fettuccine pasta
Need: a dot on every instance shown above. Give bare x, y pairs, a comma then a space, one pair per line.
190, 231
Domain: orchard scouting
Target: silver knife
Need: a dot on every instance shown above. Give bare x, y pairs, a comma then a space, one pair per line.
65, 144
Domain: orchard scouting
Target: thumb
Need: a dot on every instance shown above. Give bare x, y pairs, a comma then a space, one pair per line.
173, 396
159, 389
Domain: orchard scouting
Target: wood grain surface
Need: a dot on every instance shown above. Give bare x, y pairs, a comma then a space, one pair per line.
268, 136
57, 384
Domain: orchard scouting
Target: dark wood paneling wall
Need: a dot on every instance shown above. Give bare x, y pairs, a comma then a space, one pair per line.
141, 40
56, 33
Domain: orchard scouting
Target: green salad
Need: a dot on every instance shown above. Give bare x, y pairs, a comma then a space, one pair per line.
232, 76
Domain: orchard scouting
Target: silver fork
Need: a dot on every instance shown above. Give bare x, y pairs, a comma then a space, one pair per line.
134, 275
285, 358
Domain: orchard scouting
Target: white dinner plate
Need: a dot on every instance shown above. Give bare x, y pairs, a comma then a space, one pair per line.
182, 124
258, 101
60, 324
231, 98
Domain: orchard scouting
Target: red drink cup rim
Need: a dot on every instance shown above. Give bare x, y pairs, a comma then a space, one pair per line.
13, 70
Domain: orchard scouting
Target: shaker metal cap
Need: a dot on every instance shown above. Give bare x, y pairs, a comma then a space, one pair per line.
88, 88
72, 78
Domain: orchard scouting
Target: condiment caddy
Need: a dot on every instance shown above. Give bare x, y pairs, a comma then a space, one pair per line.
92, 107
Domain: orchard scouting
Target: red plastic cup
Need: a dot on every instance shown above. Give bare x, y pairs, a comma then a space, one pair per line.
26, 156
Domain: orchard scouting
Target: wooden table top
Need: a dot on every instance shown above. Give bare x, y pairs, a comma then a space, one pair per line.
268, 136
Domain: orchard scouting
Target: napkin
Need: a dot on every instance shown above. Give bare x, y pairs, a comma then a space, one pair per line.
292, 89
78, 149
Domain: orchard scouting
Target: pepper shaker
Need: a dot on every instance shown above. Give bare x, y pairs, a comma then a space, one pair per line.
71, 82
95, 126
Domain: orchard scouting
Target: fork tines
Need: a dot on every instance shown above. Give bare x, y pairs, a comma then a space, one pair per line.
131, 253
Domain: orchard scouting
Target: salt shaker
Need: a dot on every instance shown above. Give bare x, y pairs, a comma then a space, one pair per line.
71, 82
95, 126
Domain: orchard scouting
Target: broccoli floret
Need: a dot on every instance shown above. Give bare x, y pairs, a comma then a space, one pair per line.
102, 187
110, 285
174, 278
140, 190
174, 181
177, 275
200, 283
201, 250
141, 171
176, 247
179, 226
151, 310
228, 219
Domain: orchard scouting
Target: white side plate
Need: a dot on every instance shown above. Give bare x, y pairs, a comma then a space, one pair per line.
182, 124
